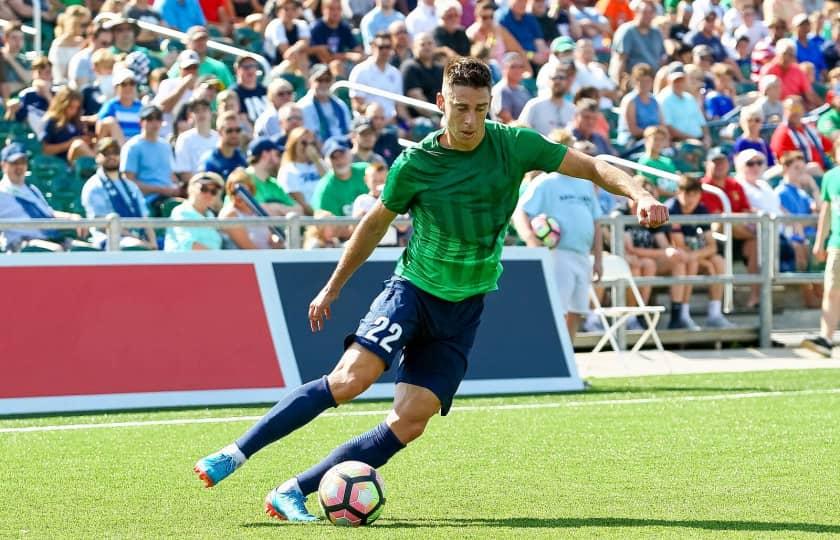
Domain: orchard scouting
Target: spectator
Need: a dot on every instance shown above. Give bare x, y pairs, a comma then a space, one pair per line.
699, 245
808, 47
637, 42
706, 34
793, 134
377, 71
64, 134
831, 47
101, 88
337, 190
301, 167
375, 176
770, 100
174, 93
81, 70
750, 27
252, 94
590, 73
109, 192
387, 143
141, 11
794, 82
264, 162
147, 161
749, 168
423, 18
638, 109
402, 43
422, 77
181, 14
584, 123
525, 28
332, 38
449, 34
287, 34
720, 101
555, 21
323, 113
656, 139
487, 31
236, 206
125, 32
197, 38
617, 12
280, 92
572, 202
363, 138
743, 60
68, 40
119, 117
829, 121
290, 116
377, 21
219, 15
227, 156
681, 112
508, 95
202, 194
751, 121
193, 144
593, 26
228, 101
562, 52
33, 101
14, 66
545, 114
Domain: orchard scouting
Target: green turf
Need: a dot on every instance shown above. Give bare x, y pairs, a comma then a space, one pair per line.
749, 468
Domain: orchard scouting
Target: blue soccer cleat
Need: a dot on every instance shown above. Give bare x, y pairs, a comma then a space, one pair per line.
216, 467
288, 506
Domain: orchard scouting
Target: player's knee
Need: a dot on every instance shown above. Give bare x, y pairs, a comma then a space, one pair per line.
407, 428
346, 385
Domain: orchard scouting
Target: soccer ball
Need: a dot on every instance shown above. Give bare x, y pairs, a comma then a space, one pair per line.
352, 493
547, 230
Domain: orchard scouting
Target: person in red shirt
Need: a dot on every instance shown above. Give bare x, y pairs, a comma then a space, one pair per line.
220, 14
784, 66
717, 174
793, 135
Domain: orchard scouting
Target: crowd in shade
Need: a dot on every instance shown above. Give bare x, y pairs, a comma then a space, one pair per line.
112, 117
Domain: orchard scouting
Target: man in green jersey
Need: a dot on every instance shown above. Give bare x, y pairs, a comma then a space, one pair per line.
461, 186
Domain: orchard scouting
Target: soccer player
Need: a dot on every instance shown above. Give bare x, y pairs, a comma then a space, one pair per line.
461, 185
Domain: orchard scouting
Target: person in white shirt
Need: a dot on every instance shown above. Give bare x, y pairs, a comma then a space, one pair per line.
591, 73
280, 92
195, 142
378, 72
545, 114
288, 33
324, 114
423, 18
174, 93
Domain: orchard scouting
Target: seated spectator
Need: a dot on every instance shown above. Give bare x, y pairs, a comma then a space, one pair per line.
64, 134
197, 37
226, 156
485, 30
402, 43
228, 102
784, 66
363, 138
525, 29
377, 71
20, 200
14, 66
109, 192
323, 113
656, 140
583, 126
235, 206
562, 52
375, 176
301, 167
141, 10
638, 109
617, 12
637, 42
33, 101
831, 47
193, 144
332, 38
794, 134
590, 73
594, 27
147, 161
743, 59
555, 21
770, 100
101, 86
119, 117
68, 40
252, 94
829, 121
175, 92
720, 100
387, 141
422, 77
681, 112
289, 32
508, 95
337, 190
280, 93
264, 162
125, 32
750, 165
423, 18
449, 34
289, 116
749, 26
377, 20
699, 246
203, 192
808, 47
181, 14
751, 122
545, 114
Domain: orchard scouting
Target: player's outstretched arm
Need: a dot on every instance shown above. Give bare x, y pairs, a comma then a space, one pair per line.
361, 244
650, 212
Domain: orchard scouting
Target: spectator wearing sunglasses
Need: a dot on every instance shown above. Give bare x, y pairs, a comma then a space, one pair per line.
280, 92
119, 117
227, 156
202, 194
252, 94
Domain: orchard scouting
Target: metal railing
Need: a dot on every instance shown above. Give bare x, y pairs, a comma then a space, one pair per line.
416, 103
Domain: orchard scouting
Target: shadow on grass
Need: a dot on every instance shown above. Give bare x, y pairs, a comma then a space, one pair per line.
568, 523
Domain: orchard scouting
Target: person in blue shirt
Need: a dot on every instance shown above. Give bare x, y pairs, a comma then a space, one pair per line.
34, 100
378, 20
808, 48
719, 101
147, 161
223, 159
332, 38
525, 28
181, 14
203, 193
119, 117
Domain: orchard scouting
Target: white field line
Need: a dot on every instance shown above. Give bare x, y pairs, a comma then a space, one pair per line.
469, 408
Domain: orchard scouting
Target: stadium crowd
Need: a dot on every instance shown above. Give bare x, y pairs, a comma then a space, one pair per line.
739, 94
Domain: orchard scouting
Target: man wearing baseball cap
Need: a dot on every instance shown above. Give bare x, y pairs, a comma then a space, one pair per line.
363, 138
263, 164
176, 92
147, 160
197, 38
337, 190
125, 32
680, 111
324, 114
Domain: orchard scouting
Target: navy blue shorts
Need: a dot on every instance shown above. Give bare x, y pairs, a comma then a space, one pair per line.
430, 337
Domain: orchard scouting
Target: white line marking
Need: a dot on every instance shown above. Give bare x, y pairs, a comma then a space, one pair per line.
468, 408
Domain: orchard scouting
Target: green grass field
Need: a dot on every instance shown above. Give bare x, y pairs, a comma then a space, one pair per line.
749, 455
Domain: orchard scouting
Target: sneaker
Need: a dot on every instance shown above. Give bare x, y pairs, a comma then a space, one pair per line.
819, 345
719, 322
683, 323
288, 506
216, 467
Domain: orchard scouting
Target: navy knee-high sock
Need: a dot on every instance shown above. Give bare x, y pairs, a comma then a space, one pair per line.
297, 409
374, 448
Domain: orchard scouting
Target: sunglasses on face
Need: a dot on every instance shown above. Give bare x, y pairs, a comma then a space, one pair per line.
128, 83
111, 153
755, 120
794, 160
212, 190
755, 163
295, 118
249, 67
234, 130
284, 93
383, 46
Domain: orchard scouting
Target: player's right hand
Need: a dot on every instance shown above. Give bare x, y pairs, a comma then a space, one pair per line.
319, 309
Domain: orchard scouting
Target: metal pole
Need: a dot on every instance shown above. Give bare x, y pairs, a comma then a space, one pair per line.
619, 292
293, 234
36, 20
765, 316
114, 232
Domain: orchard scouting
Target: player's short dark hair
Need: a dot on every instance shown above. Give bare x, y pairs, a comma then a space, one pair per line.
687, 184
466, 71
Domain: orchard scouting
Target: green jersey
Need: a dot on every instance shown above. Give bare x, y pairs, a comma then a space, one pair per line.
831, 195
829, 122
663, 163
337, 196
461, 203
269, 191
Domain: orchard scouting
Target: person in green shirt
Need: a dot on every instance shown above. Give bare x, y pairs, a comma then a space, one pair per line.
829, 121
828, 228
656, 140
197, 38
337, 190
461, 185
263, 163
125, 40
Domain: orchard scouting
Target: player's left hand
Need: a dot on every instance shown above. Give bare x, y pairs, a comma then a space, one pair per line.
650, 212
319, 309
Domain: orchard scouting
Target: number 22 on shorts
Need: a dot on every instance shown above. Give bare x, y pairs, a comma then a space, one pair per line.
380, 324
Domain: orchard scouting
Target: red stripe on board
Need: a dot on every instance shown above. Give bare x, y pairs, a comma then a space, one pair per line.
70, 330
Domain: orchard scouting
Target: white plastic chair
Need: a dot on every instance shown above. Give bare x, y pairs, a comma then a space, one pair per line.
615, 269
